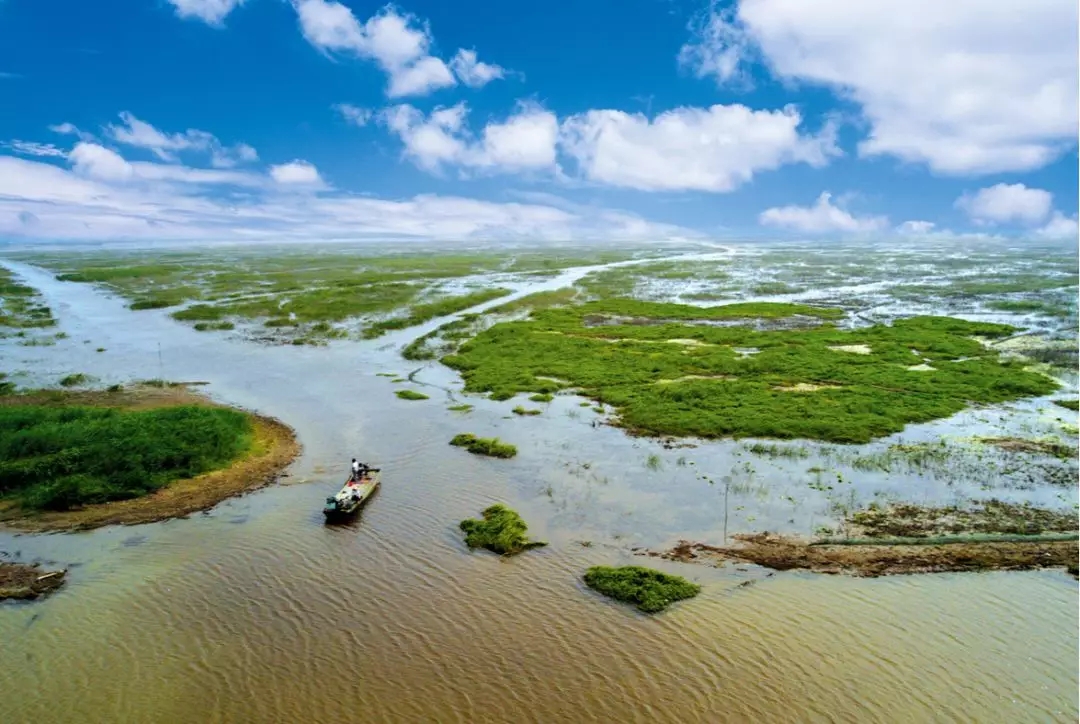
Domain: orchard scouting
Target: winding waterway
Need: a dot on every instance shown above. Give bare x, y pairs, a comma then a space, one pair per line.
258, 612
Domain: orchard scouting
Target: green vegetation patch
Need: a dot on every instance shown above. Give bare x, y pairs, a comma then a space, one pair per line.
57, 458
501, 531
542, 397
460, 408
671, 369
904, 520
74, 380
214, 326
492, 447
21, 306
649, 590
525, 412
420, 313
411, 395
1073, 405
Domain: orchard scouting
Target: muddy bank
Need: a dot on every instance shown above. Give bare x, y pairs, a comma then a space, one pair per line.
783, 553
21, 581
274, 447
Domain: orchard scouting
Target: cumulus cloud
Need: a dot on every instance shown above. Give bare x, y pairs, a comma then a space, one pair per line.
1005, 203
524, 141
705, 149
915, 228
399, 43
211, 12
473, 72
966, 87
104, 196
354, 114
140, 134
296, 173
823, 217
1060, 227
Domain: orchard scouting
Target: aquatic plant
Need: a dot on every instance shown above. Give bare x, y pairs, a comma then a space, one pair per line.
420, 313
21, 306
460, 408
650, 590
74, 380
410, 395
519, 410
59, 457
1073, 405
488, 446
671, 369
542, 397
501, 531
214, 326
778, 451
653, 462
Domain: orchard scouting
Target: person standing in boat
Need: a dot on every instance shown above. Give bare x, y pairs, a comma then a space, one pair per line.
356, 467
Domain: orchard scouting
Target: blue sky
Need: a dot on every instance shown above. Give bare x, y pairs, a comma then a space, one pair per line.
638, 119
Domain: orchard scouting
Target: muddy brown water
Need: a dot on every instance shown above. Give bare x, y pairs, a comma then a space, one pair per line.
258, 612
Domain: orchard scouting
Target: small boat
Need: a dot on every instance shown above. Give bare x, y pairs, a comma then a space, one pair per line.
352, 495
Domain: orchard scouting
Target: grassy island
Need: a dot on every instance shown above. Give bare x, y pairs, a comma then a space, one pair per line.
488, 446
501, 531
649, 590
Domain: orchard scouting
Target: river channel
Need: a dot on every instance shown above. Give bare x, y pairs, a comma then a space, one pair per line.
258, 612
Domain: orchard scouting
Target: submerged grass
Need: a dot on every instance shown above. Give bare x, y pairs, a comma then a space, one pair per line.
411, 395
650, 590
488, 446
501, 530
672, 369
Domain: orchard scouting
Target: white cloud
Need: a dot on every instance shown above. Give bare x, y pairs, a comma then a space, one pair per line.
1060, 227
94, 161
212, 12
399, 43
354, 114
140, 134
33, 148
822, 217
1004, 203
915, 228
720, 47
706, 149
296, 172
965, 86
102, 201
524, 141
473, 72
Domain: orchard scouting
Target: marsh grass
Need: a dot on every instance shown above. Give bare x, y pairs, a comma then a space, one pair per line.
74, 380
21, 306
501, 530
487, 446
1073, 405
214, 326
650, 590
542, 397
617, 353
60, 457
526, 412
420, 313
410, 395
653, 462
778, 451
460, 408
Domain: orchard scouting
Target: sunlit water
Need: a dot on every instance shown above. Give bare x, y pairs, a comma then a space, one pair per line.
258, 612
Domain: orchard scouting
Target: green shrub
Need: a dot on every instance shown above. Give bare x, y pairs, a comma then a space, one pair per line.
501, 531
649, 590
489, 446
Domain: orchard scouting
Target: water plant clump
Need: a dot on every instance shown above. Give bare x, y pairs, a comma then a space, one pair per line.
420, 313
74, 380
487, 446
1073, 405
672, 369
57, 458
542, 397
464, 407
501, 530
650, 590
21, 306
410, 395
525, 412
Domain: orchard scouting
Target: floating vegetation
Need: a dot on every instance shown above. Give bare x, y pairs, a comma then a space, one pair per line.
770, 288
460, 408
488, 446
1073, 405
410, 395
214, 326
548, 397
778, 451
501, 531
653, 462
1042, 446
74, 380
519, 410
420, 313
650, 590
617, 351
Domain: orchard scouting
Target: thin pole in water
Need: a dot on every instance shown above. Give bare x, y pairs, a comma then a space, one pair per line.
727, 483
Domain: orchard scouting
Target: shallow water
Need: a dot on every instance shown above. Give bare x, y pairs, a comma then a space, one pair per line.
256, 611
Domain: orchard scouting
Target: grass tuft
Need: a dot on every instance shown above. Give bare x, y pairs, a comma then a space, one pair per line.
411, 395
649, 590
501, 531
488, 446
519, 410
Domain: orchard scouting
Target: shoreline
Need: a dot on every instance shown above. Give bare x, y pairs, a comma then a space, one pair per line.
274, 447
872, 559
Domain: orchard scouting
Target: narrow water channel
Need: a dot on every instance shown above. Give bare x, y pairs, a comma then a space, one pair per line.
258, 612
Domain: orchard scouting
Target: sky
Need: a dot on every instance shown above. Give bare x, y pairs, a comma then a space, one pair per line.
322, 120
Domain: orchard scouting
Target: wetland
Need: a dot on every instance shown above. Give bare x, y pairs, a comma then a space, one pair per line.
697, 433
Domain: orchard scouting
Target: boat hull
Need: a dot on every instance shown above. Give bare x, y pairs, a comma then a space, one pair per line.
351, 498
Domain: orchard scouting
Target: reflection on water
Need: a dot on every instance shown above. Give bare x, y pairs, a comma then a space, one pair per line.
257, 612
